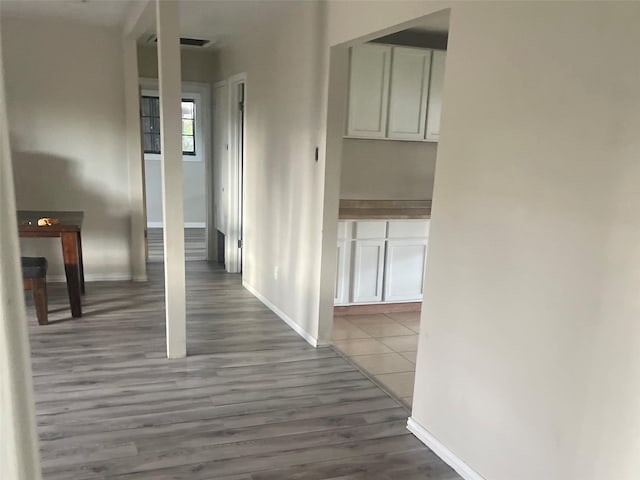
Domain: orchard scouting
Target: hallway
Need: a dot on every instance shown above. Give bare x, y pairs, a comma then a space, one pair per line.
253, 401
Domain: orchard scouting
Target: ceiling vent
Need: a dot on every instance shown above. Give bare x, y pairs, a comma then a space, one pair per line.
186, 42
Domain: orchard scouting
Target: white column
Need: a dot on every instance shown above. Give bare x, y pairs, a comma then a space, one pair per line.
19, 454
135, 158
168, 31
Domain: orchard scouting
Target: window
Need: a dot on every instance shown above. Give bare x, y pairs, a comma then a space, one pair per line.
151, 125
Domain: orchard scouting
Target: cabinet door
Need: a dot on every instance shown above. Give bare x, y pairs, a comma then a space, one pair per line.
404, 269
435, 95
409, 89
343, 270
369, 91
368, 264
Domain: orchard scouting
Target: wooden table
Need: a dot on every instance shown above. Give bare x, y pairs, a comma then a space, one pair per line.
69, 231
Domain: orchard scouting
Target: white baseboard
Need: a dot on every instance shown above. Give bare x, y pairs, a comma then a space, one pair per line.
288, 320
446, 455
93, 277
186, 225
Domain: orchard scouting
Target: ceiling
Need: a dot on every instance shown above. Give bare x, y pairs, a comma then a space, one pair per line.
207, 19
104, 13
215, 20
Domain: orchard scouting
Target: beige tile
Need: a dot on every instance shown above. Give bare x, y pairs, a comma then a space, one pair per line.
406, 343
414, 325
404, 316
386, 330
361, 346
372, 319
343, 330
411, 356
384, 363
400, 384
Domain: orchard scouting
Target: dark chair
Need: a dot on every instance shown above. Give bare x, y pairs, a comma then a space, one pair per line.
34, 277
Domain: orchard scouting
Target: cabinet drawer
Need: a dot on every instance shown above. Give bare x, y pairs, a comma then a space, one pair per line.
409, 229
370, 229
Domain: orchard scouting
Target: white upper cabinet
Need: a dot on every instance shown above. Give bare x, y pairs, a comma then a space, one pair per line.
409, 88
395, 92
435, 95
369, 91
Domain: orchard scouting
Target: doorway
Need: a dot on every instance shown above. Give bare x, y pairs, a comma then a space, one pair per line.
381, 155
196, 157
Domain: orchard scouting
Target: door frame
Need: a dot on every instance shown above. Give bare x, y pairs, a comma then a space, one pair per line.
202, 92
235, 174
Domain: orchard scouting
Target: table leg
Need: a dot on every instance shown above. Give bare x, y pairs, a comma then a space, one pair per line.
81, 263
72, 270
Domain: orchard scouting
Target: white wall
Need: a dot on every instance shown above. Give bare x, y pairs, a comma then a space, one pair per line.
283, 182
65, 97
387, 170
195, 65
529, 357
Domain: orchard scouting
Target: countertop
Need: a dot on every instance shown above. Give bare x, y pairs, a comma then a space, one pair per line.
384, 209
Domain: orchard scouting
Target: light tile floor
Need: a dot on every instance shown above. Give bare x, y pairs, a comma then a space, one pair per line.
384, 345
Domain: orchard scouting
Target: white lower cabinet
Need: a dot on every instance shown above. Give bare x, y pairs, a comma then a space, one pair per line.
368, 264
380, 261
403, 269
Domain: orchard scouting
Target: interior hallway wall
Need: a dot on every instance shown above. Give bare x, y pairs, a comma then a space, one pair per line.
65, 98
529, 357
283, 181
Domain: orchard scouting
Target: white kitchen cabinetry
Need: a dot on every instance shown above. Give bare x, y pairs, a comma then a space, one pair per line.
435, 95
409, 88
381, 261
344, 263
369, 91
395, 92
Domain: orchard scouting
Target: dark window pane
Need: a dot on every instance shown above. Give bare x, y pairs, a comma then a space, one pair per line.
151, 143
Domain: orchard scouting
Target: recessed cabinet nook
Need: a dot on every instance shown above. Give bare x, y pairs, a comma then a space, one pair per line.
395, 92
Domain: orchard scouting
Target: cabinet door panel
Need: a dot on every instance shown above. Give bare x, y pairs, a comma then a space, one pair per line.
367, 271
369, 91
435, 95
404, 270
408, 98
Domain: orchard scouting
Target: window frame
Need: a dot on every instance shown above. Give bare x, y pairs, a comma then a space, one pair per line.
186, 95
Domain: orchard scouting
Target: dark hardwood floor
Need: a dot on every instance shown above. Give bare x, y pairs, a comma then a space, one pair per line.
253, 401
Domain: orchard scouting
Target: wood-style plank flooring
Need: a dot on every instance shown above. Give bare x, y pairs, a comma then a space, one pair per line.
253, 401
195, 244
